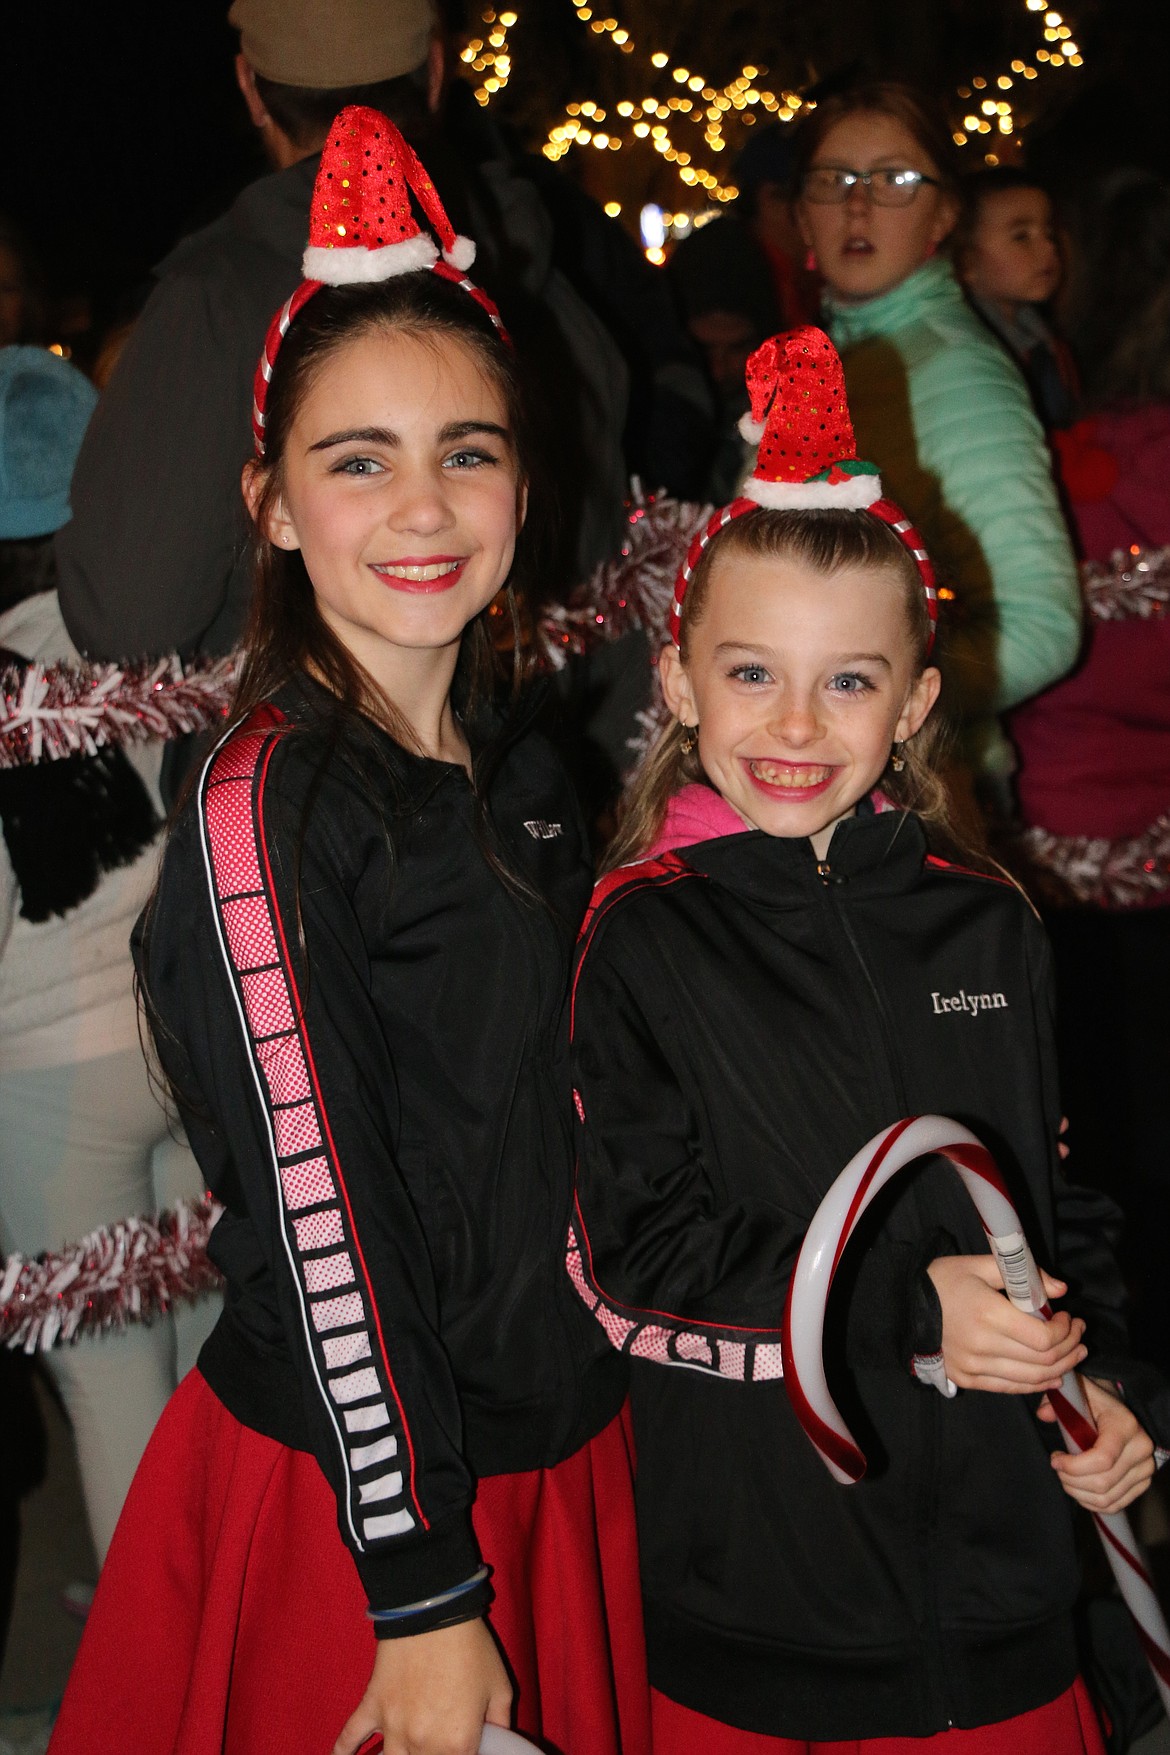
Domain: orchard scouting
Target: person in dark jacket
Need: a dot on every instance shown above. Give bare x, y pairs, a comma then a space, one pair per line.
777, 967
156, 558
356, 966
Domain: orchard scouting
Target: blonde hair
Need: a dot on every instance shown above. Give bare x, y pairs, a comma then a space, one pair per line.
826, 541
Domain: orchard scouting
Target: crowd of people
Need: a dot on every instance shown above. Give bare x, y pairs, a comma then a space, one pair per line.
518, 1067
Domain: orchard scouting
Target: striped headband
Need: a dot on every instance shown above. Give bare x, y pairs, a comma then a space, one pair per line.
807, 455
362, 229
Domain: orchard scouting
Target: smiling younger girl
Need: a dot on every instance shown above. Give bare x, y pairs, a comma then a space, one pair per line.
758, 993
394, 1494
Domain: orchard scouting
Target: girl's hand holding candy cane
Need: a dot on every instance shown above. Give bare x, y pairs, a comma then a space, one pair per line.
1118, 1468
987, 1343
431, 1694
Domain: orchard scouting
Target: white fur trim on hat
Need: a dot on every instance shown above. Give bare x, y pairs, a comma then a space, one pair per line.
461, 254
352, 264
751, 430
854, 494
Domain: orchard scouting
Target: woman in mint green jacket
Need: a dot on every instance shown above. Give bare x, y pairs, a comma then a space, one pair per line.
940, 406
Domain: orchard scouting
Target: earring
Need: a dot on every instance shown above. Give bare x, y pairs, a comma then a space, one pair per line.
811, 265
690, 740
897, 759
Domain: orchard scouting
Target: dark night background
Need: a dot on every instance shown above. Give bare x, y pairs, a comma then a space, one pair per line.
121, 127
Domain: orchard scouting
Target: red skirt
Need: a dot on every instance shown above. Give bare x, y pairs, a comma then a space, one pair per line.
1066, 1726
229, 1619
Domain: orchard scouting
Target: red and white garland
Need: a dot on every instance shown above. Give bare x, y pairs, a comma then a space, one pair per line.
632, 590
50, 711
1091, 869
1134, 583
127, 1272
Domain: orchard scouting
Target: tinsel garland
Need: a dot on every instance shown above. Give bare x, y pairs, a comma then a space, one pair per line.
1135, 582
631, 590
1100, 873
49, 711
1091, 870
127, 1272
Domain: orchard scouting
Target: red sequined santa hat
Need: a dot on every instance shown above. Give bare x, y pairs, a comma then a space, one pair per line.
807, 456
362, 229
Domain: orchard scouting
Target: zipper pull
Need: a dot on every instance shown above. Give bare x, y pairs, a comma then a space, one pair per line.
827, 875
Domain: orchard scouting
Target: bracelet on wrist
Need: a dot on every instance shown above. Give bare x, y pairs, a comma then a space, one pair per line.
436, 1602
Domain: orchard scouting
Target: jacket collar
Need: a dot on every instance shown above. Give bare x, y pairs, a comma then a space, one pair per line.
873, 853
271, 212
931, 288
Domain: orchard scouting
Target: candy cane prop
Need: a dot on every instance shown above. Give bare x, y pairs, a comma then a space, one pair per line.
834, 1222
498, 1742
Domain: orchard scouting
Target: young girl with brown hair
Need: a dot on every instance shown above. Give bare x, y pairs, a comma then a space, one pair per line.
788, 959
395, 1492
938, 405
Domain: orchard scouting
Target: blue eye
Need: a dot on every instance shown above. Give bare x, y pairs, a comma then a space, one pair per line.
356, 466
469, 459
752, 674
850, 682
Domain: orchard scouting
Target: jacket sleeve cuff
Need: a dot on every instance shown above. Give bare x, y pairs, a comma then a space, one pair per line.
923, 1337
1141, 1387
399, 1573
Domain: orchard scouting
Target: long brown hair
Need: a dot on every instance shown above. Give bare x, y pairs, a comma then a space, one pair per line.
286, 633
826, 541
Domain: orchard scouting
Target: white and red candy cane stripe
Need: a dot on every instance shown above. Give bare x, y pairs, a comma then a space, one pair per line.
834, 1222
718, 521
457, 278
884, 509
893, 515
277, 330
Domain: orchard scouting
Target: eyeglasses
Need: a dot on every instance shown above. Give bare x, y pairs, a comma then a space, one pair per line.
829, 185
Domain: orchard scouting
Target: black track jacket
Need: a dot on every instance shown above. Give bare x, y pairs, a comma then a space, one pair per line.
744, 1021
384, 1110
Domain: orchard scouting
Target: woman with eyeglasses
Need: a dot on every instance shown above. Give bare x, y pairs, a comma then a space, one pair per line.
940, 407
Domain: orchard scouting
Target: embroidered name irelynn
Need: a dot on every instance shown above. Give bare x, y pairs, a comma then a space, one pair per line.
969, 1002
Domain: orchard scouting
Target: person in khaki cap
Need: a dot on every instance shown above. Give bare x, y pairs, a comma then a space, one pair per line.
299, 64
154, 559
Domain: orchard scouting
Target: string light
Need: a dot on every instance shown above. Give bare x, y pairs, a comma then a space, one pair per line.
490, 52
1001, 115
696, 101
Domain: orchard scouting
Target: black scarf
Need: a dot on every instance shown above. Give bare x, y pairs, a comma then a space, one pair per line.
67, 822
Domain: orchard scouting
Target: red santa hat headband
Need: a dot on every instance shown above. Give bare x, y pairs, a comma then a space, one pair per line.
362, 229
807, 454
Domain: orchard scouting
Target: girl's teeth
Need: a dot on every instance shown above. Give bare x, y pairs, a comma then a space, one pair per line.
420, 575
776, 774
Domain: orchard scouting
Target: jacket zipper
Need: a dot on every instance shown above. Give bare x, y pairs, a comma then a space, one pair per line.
832, 881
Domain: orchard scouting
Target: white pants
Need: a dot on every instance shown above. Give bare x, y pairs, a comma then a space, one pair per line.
82, 1146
